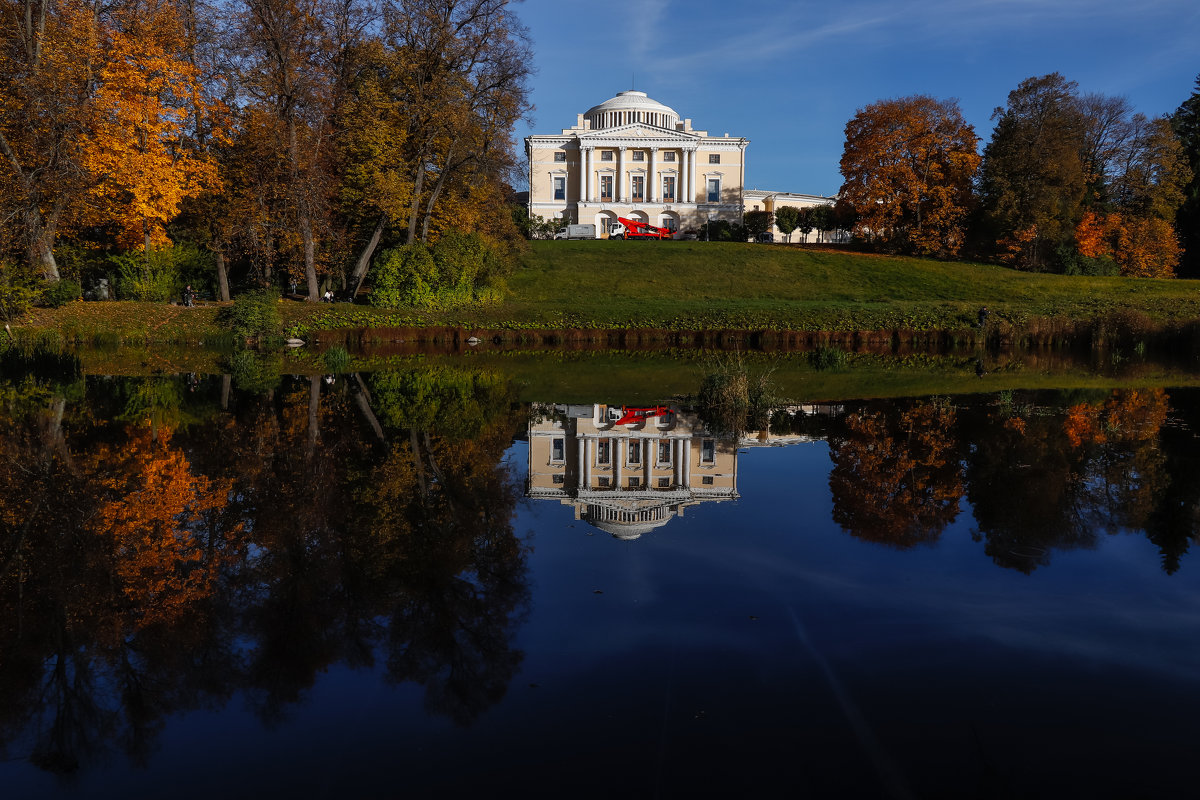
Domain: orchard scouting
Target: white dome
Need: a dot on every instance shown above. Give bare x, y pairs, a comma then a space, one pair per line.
630, 107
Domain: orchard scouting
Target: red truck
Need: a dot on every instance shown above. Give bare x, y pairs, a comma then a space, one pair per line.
633, 229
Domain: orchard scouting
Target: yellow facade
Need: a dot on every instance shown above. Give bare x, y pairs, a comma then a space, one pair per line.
633, 157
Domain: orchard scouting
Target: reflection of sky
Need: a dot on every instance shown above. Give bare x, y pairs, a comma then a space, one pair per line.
753, 648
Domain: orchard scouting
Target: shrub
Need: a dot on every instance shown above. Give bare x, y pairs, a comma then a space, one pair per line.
15, 299
460, 269
255, 315
336, 359
254, 372
827, 358
61, 292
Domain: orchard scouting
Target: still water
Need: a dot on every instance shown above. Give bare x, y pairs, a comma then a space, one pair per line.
410, 583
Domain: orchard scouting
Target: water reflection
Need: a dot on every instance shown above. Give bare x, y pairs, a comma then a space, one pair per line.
628, 472
171, 544
1039, 474
163, 550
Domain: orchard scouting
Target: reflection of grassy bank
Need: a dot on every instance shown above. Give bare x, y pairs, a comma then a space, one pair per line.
647, 378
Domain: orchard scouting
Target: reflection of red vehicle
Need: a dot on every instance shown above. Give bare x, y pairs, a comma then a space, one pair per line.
631, 415
633, 229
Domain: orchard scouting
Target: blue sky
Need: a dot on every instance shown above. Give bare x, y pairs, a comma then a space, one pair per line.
790, 73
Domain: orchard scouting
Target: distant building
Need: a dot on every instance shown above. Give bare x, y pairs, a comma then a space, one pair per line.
763, 200
632, 156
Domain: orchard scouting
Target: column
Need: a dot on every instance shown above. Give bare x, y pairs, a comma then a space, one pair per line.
618, 460
652, 191
687, 463
692, 177
585, 180
685, 178
581, 479
619, 189
589, 459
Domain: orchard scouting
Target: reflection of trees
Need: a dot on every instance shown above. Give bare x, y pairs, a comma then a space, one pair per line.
1042, 480
146, 570
895, 478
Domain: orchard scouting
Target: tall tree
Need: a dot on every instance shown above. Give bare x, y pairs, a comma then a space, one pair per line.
1033, 179
1186, 122
787, 219
908, 166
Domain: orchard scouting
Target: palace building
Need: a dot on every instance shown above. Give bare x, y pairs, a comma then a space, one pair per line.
633, 157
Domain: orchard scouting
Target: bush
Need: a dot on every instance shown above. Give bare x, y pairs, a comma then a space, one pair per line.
61, 292
160, 275
461, 269
15, 299
336, 359
255, 315
827, 358
253, 372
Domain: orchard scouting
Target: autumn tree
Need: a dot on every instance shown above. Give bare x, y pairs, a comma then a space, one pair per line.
895, 477
139, 149
49, 58
908, 166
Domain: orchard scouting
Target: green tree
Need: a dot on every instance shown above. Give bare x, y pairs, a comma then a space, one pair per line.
787, 219
756, 222
1186, 123
1032, 179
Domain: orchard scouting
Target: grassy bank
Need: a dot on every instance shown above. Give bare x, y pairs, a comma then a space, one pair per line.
700, 286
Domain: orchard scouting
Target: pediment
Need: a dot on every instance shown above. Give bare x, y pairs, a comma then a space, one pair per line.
637, 131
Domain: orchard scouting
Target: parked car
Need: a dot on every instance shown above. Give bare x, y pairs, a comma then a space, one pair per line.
767, 238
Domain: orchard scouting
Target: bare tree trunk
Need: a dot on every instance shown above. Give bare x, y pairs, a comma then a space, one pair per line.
226, 386
364, 258
437, 190
314, 408
222, 276
363, 398
415, 206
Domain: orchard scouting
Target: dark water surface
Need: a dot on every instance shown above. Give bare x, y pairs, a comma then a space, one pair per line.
410, 584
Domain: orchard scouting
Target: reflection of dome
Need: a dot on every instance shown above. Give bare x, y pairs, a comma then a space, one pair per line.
628, 107
627, 520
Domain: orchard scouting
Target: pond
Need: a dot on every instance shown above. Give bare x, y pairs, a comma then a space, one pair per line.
421, 580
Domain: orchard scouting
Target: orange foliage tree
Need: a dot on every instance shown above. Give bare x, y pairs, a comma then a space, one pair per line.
138, 148
908, 165
895, 478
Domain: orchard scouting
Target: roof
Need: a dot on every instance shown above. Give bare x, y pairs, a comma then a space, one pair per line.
631, 101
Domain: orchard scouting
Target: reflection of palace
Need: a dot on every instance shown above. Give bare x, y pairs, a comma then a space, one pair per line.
628, 479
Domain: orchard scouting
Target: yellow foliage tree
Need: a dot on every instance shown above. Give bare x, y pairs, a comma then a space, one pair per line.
138, 148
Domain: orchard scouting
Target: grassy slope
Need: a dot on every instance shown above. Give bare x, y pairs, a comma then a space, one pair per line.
778, 286
700, 285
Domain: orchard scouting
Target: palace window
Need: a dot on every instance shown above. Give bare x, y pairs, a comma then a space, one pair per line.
664, 483
714, 190
714, 158
561, 158
558, 450
559, 479
604, 483
708, 451
603, 452
633, 453
560, 188
669, 155
669, 189
639, 188
635, 482
639, 155
606, 187
664, 451
606, 155
706, 480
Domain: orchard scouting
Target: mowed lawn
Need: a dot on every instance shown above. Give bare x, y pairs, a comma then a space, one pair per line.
602, 283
